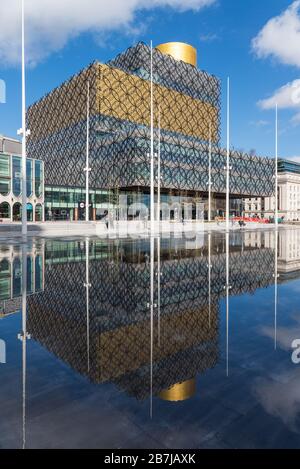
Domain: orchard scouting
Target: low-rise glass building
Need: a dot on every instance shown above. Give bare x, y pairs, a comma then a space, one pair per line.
11, 183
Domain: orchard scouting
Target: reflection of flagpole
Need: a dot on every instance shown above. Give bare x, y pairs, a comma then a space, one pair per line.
87, 286
275, 288
151, 319
276, 228
227, 303
23, 337
209, 279
158, 287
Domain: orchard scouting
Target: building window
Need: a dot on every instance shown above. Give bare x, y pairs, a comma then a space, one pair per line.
38, 174
4, 166
38, 214
4, 210
4, 186
17, 171
4, 279
29, 212
38, 273
17, 212
17, 277
4, 174
29, 178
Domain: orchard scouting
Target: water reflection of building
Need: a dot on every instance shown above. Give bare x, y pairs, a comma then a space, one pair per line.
110, 340
11, 276
288, 248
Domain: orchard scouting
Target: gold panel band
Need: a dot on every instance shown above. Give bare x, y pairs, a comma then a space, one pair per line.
127, 97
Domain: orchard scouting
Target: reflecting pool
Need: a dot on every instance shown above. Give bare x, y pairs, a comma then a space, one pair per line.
160, 343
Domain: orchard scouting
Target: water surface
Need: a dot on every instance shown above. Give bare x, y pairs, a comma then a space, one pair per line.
169, 343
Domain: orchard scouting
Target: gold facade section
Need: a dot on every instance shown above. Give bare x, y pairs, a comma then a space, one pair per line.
123, 96
179, 51
180, 391
127, 97
126, 349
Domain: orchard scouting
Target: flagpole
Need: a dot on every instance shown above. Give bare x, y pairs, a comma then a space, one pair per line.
158, 171
23, 130
276, 167
87, 169
209, 176
227, 155
152, 146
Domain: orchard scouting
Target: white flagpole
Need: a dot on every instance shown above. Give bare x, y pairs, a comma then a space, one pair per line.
228, 154
152, 147
87, 168
23, 130
158, 171
209, 176
276, 167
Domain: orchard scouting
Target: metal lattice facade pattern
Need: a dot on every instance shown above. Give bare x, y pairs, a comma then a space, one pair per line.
118, 334
188, 100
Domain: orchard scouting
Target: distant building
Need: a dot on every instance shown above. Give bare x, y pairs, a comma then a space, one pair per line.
288, 195
11, 183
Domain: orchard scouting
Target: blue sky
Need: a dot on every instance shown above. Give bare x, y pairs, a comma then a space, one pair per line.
62, 41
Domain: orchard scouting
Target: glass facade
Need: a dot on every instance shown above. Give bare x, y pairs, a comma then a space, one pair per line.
17, 169
29, 182
11, 188
4, 174
11, 276
5, 280
38, 177
61, 202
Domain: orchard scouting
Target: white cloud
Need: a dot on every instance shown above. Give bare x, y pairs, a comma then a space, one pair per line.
288, 96
280, 37
50, 24
279, 395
